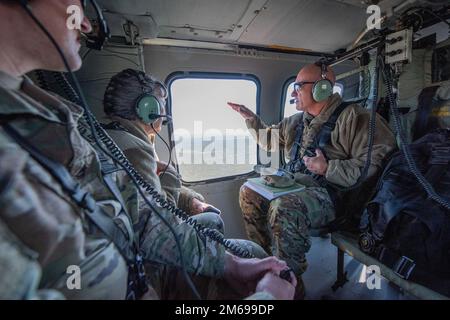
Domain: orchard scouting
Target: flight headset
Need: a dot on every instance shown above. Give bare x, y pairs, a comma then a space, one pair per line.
102, 140
148, 107
323, 88
96, 39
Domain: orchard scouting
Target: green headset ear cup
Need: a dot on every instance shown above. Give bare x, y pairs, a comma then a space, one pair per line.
322, 90
148, 108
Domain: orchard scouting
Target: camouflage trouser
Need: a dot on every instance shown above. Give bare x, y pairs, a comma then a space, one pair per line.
282, 227
169, 282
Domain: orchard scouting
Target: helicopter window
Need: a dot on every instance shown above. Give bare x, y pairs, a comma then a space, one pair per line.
211, 139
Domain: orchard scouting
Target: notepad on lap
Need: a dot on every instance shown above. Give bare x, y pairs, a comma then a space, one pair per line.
270, 193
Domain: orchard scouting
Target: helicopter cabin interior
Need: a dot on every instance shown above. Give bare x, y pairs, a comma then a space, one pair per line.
209, 52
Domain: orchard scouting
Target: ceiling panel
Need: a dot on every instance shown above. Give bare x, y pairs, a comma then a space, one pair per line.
316, 25
203, 14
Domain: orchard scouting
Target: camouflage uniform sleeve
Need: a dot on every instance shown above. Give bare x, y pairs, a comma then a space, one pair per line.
144, 161
171, 184
186, 196
201, 256
20, 272
265, 135
35, 213
353, 129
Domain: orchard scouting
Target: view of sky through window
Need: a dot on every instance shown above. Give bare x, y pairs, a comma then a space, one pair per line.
211, 139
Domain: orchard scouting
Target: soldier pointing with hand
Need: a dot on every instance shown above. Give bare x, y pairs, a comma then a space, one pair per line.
283, 226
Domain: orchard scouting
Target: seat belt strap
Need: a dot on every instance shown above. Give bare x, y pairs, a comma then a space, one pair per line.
108, 169
84, 199
324, 137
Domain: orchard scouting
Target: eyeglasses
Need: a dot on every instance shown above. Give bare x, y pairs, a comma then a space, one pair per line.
299, 85
163, 88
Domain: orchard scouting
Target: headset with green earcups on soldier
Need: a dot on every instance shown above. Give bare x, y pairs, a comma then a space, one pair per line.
323, 88
148, 107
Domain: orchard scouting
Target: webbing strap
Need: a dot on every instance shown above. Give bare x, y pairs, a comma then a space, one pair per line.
322, 139
295, 150
84, 199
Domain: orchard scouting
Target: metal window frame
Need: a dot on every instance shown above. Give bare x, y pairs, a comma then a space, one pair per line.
284, 95
179, 75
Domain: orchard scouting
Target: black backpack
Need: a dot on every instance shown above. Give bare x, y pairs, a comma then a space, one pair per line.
402, 227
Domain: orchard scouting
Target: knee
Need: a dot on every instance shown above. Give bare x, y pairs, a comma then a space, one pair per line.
288, 212
277, 203
258, 251
253, 248
247, 201
279, 207
216, 222
211, 220
244, 193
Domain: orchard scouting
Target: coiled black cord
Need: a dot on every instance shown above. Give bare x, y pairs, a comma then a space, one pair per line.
69, 91
165, 204
118, 155
404, 147
42, 81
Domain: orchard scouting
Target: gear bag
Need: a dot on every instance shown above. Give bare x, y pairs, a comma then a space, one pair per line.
402, 227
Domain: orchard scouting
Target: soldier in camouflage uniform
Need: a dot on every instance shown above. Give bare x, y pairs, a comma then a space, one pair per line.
136, 138
42, 216
48, 223
283, 226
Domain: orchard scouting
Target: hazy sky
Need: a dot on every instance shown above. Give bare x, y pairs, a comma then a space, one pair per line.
206, 100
